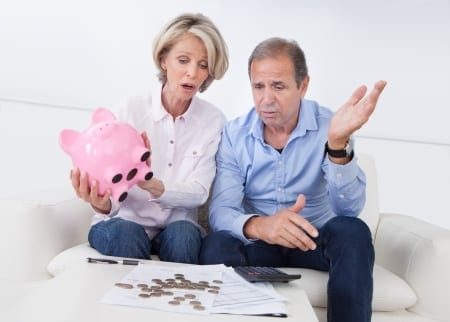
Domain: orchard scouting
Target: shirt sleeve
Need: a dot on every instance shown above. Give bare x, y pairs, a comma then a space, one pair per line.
226, 211
346, 187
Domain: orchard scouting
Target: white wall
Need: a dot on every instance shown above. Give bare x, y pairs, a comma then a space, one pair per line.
60, 59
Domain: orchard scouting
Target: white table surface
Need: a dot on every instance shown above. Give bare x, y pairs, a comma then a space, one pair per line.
75, 294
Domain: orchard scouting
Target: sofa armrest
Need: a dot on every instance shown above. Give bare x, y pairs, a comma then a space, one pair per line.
418, 252
38, 227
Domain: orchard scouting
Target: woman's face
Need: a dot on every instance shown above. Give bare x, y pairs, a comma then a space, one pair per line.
186, 65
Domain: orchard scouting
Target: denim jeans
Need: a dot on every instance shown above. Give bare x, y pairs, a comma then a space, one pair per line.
344, 249
179, 242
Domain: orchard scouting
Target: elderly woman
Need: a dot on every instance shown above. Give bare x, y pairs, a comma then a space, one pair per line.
160, 215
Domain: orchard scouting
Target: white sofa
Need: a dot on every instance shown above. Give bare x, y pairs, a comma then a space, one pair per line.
45, 232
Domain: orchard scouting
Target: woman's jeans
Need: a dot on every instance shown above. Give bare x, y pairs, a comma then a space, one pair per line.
179, 242
344, 249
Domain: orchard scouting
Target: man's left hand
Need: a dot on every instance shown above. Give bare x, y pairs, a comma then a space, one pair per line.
353, 115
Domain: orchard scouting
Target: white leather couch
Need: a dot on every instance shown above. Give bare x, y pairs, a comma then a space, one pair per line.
46, 232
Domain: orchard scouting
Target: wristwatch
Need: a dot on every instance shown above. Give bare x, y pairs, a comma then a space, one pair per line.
347, 151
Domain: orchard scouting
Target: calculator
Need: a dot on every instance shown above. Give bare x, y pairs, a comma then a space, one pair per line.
264, 274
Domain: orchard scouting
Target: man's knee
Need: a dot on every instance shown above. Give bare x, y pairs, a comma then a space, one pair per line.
222, 248
350, 233
349, 228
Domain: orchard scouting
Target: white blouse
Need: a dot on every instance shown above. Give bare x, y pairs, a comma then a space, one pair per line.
183, 157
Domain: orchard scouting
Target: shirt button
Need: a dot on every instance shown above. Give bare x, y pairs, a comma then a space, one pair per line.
194, 153
279, 189
170, 164
171, 141
341, 196
338, 174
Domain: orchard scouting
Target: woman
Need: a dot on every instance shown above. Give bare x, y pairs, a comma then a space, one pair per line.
160, 215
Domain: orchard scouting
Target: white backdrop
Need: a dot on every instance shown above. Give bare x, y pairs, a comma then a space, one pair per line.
59, 59
87, 53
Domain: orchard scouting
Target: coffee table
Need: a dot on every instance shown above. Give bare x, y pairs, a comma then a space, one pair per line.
74, 296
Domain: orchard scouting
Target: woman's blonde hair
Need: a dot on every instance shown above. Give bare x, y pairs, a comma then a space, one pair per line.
202, 27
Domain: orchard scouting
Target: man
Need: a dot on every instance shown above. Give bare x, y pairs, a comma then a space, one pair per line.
288, 189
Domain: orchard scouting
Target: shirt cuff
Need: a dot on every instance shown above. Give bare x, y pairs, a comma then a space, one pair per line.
238, 228
340, 175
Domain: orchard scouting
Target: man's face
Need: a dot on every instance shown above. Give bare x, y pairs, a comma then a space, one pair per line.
275, 91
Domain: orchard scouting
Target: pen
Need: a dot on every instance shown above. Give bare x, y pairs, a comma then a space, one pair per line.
112, 261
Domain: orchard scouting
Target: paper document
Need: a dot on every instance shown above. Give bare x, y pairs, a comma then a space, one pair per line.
238, 296
195, 290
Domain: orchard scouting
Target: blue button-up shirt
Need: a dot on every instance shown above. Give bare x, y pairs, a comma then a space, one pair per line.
255, 179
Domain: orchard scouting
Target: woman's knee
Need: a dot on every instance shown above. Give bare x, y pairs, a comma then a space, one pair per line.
119, 237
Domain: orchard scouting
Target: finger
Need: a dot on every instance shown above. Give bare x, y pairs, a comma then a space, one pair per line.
299, 204
83, 188
146, 140
94, 191
96, 198
305, 225
298, 239
377, 90
300, 221
301, 238
357, 95
75, 178
370, 101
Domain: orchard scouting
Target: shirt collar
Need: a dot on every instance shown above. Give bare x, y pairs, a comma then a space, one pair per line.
160, 112
306, 122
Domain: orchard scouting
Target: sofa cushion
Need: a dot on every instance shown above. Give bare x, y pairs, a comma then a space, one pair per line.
391, 293
51, 221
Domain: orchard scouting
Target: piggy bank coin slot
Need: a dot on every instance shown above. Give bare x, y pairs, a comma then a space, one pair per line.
117, 178
145, 156
131, 174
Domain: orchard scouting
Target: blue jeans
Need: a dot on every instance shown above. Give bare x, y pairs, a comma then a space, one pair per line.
344, 249
179, 242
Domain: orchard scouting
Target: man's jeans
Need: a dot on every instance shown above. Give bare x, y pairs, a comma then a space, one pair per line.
179, 242
344, 248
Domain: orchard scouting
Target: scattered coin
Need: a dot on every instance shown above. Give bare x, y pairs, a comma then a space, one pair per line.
195, 302
218, 281
145, 295
190, 296
199, 307
174, 302
124, 285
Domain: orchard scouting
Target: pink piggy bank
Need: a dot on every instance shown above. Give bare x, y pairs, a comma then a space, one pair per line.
110, 151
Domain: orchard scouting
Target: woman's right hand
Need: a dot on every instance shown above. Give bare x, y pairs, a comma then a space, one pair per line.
89, 193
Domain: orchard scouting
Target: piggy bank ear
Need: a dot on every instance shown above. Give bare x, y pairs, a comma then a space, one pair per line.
67, 139
102, 114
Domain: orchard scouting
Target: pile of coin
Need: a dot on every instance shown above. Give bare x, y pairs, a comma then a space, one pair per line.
160, 288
